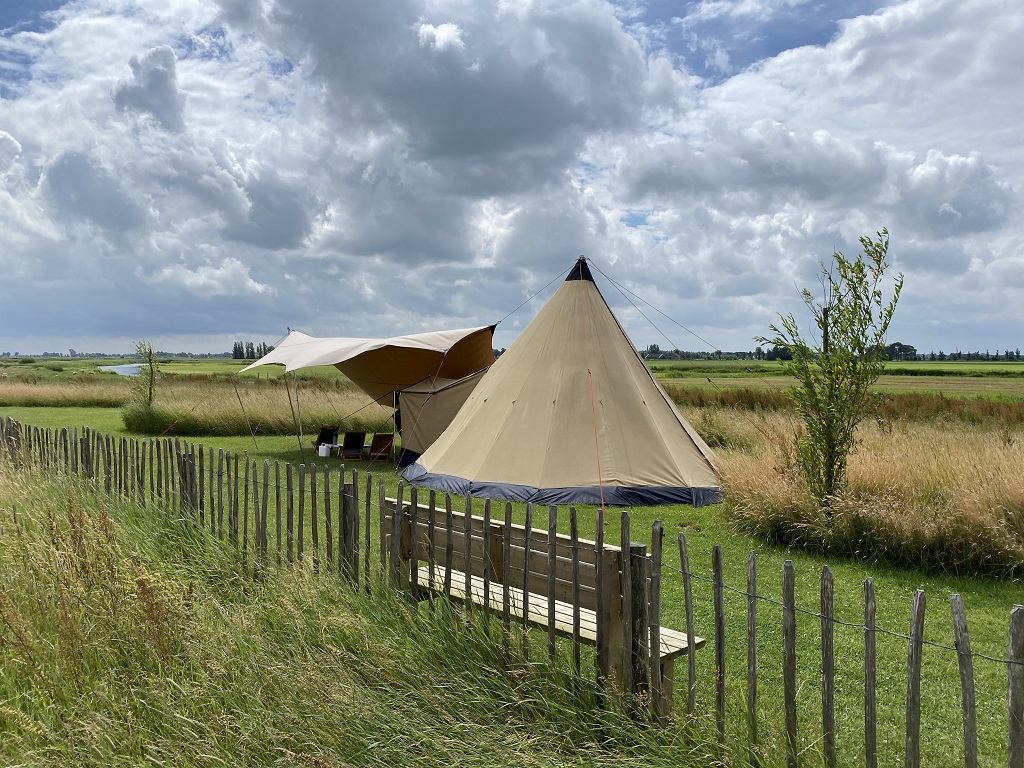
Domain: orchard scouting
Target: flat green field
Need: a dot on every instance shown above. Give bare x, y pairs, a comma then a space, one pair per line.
953, 379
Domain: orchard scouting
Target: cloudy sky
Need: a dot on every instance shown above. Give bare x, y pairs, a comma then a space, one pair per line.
193, 172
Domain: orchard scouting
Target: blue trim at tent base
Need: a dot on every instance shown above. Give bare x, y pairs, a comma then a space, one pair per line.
614, 496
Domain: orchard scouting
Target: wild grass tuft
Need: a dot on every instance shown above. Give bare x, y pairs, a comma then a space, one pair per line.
936, 497
129, 637
216, 409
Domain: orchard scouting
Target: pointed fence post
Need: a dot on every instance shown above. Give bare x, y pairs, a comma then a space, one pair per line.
870, 702
914, 648
1015, 680
789, 660
966, 664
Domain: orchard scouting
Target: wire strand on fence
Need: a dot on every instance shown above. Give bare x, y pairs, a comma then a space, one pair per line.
840, 622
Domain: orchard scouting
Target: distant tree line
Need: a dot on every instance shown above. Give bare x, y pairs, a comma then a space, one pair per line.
157, 353
250, 351
897, 351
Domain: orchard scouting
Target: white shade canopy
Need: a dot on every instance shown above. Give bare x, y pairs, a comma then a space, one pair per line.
381, 367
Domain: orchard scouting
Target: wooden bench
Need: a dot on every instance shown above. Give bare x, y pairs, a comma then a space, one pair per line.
536, 576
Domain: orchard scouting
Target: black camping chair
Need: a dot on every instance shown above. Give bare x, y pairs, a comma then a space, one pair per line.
328, 435
352, 445
380, 446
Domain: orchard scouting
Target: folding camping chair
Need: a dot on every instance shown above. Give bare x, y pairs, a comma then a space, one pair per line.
380, 446
352, 445
328, 436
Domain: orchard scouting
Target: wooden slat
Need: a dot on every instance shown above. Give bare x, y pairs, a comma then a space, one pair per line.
718, 583
552, 560
828, 681
914, 647
752, 737
300, 526
506, 583
467, 551
870, 700
432, 534
640, 658
488, 565
314, 523
789, 660
659, 706
352, 532
245, 507
966, 664
525, 592
449, 544
1015, 682
691, 662
290, 502
626, 600
672, 643
603, 660
366, 531
328, 522
414, 523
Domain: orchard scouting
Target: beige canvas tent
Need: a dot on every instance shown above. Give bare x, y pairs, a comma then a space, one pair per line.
570, 413
441, 367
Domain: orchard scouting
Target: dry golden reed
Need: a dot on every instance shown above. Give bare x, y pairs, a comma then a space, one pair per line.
920, 494
100, 393
215, 408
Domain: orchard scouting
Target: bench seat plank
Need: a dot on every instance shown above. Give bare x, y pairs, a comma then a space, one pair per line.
673, 643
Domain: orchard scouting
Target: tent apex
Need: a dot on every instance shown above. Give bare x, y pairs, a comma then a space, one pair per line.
580, 271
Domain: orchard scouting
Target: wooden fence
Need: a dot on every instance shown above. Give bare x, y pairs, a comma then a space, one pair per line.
321, 519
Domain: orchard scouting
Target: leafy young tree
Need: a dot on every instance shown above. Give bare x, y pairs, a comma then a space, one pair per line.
146, 380
834, 376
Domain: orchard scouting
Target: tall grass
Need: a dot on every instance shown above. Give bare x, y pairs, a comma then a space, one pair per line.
128, 637
198, 408
923, 495
91, 392
888, 407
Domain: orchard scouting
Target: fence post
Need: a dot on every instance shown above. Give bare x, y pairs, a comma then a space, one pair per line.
314, 526
789, 659
718, 580
639, 651
914, 648
966, 664
414, 510
552, 560
1015, 679
870, 705
691, 656
366, 532
752, 737
601, 594
347, 551
289, 514
828, 681
657, 693
626, 601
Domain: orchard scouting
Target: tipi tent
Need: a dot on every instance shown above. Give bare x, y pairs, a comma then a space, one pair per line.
570, 413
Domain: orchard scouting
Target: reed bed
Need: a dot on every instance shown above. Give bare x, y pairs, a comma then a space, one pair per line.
943, 497
888, 407
198, 408
94, 392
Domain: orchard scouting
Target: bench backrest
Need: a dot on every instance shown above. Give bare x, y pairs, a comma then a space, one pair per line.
528, 552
